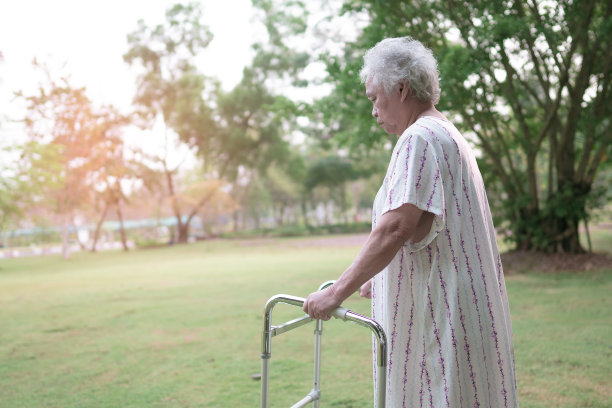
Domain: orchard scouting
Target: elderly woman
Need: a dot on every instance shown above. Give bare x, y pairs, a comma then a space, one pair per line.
431, 263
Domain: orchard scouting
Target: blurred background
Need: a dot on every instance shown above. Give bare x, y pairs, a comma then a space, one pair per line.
144, 123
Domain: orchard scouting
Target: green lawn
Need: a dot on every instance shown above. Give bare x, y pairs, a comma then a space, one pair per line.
181, 327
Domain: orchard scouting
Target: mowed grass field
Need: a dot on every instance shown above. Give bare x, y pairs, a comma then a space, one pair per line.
181, 327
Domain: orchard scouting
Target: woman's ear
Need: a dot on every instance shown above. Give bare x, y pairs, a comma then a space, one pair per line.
404, 91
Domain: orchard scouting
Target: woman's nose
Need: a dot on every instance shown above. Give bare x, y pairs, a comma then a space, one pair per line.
374, 112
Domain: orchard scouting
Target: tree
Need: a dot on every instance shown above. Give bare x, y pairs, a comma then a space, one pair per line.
184, 194
171, 88
531, 80
15, 192
108, 169
10, 210
69, 139
284, 193
333, 172
278, 60
255, 122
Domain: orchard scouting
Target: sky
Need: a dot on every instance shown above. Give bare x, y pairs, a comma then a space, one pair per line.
89, 37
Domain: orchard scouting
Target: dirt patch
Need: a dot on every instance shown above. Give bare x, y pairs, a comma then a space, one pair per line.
521, 261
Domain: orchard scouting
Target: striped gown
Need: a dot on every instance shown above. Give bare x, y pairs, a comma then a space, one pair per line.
442, 301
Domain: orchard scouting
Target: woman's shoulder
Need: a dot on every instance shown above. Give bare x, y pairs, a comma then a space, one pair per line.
433, 125
426, 129
434, 129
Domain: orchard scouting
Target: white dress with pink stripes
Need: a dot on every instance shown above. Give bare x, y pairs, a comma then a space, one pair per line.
442, 301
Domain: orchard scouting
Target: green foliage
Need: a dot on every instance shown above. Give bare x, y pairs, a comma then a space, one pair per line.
330, 171
166, 48
253, 125
334, 173
11, 192
276, 59
28, 184
169, 84
530, 82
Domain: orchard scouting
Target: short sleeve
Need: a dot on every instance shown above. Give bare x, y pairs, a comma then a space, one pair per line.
414, 178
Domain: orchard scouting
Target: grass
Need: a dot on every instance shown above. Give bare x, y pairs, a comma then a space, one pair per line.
563, 338
601, 238
181, 326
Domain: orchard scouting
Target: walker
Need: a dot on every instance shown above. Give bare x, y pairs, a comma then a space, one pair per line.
314, 395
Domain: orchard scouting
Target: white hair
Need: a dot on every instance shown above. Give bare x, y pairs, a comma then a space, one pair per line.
394, 60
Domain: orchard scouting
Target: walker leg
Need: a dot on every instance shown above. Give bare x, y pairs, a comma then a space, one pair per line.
266, 354
381, 387
316, 388
265, 374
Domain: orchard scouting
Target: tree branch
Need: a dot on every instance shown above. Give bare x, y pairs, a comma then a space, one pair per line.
499, 168
534, 58
598, 157
599, 104
199, 205
173, 198
549, 42
552, 113
506, 150
511, 95
566, 144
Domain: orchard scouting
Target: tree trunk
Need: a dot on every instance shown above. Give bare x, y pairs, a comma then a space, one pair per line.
172, 235
181, 229
82, 245
183, 232
65, 237
568, 231
570, 241
235, 216
343, 205
304, 207
326, 213
98, 228
280, 214
121, 228
256, 221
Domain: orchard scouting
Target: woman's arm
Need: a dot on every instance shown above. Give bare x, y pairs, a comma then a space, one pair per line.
394, 228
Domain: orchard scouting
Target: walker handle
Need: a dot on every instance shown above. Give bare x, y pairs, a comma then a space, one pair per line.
340, 313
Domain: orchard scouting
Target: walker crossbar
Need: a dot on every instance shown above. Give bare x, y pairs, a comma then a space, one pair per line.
314, 395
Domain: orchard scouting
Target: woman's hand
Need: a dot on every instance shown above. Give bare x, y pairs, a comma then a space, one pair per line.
319, 305
366, 290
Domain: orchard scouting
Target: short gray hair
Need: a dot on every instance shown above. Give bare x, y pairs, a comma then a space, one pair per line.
394, 60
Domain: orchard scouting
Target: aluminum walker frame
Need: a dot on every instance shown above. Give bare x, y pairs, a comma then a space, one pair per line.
314, 395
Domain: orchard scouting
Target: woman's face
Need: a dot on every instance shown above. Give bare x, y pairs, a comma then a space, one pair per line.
386, 108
